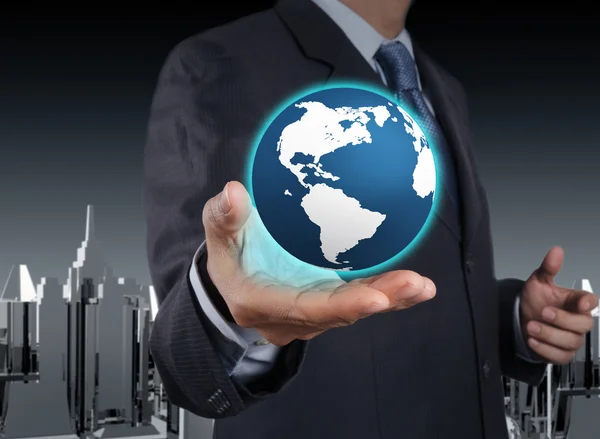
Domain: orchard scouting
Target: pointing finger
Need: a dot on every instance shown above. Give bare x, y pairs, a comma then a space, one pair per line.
579, 301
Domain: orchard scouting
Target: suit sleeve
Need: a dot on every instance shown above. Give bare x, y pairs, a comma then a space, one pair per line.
185, 164
512, 364
247, 359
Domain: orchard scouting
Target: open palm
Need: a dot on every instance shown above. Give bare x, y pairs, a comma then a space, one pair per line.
267, 289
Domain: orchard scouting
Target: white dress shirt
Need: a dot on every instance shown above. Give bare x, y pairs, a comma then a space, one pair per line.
243, 351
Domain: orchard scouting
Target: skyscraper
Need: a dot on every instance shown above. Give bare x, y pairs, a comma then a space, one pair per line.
41, 408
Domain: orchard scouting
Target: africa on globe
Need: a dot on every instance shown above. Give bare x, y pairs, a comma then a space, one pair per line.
343, 178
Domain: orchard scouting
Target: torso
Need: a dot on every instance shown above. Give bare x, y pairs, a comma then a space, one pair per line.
409, 374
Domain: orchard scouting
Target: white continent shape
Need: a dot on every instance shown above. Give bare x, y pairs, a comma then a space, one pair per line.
341, 219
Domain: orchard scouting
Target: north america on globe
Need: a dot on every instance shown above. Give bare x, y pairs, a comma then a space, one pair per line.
343, 178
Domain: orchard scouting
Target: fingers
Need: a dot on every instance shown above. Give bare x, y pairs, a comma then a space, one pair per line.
559, 335
350, 302
307, 313
549, 352
404, 288
576, 323
342, 306
559, 338
551, 265
314, 309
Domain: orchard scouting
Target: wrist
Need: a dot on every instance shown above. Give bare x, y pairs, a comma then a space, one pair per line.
211, 290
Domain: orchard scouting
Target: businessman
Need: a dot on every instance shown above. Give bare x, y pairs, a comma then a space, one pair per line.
417, 352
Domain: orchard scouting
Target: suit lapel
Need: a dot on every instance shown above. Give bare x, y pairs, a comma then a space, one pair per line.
322, 40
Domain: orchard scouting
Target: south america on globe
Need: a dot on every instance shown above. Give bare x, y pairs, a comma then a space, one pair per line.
343, 178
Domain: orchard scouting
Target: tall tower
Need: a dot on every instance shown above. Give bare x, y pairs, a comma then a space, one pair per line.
19, 302
107, 334
90, 262
19, 285
586, 285
38, 408
82, 351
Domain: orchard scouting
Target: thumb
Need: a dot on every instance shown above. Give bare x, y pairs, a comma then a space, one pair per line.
225, 214
551, 265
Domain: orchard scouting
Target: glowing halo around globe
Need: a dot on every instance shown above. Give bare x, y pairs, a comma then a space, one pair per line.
343, 178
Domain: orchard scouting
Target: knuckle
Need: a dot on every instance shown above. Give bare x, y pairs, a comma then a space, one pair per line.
413, 280
561, 317
210, 213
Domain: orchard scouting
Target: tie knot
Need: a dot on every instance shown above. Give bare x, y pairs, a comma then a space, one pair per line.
398, 66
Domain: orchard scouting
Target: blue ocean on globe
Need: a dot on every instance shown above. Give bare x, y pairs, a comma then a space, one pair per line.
343, 178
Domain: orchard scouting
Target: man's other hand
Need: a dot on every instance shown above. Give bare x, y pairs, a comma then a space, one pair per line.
555, 319
282, 298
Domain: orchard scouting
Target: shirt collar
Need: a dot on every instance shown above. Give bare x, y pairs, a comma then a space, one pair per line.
360, 33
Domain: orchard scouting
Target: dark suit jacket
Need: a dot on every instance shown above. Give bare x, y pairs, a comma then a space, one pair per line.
429, 372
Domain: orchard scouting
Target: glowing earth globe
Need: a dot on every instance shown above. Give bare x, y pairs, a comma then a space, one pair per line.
343, 178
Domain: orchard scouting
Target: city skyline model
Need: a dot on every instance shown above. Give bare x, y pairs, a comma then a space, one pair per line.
46, 400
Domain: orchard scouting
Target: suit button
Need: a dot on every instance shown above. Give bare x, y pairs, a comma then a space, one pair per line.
486, 369
261, 342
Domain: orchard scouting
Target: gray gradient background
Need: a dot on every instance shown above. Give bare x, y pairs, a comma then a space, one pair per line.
74, 98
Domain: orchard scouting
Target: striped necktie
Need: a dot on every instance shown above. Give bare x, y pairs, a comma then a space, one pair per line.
400, 71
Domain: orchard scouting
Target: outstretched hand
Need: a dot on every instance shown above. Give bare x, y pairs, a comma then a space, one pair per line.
554, 319
284, 299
